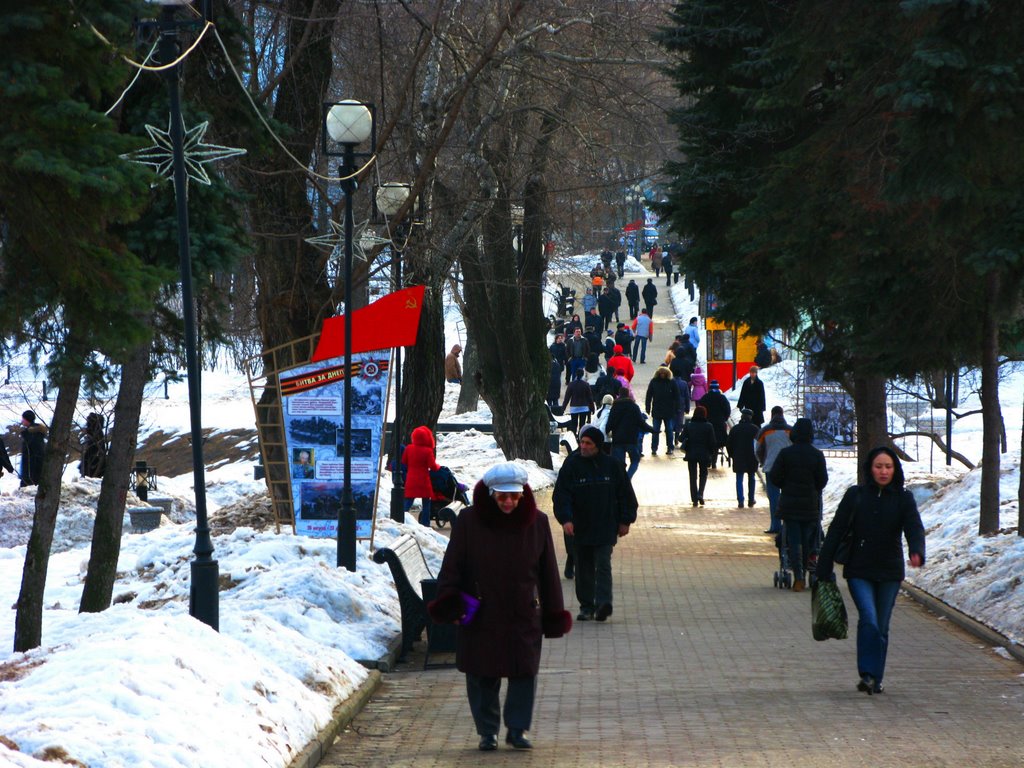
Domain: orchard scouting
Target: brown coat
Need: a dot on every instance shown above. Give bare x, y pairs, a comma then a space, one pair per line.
508, 562
452, 367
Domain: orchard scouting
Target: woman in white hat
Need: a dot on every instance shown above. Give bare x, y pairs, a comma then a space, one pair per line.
501, 557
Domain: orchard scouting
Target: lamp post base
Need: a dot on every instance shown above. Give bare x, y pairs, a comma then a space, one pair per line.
398, 503
204, 597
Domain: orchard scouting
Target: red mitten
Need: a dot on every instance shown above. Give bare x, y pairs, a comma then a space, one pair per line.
556, 624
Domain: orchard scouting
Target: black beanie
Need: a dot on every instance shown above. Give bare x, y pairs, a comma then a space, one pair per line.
29, 416
594, 433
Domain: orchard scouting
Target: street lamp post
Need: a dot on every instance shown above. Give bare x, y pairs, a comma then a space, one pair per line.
204, 600
348, 123
390, 199
638, 196
517, 233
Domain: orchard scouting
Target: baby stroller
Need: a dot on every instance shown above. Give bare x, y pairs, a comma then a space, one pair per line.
449, 497
783, 578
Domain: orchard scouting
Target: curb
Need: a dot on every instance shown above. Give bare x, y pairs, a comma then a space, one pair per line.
343, 714
962, 620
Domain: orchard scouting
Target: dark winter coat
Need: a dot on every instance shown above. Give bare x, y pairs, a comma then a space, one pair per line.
880, 516
763, 358
719, 410
740, 446
593, 324
555, 381
682, 364
624, 338
33, 446
662, 399
699, 440
605, 385
800, 471
626, 422
577, 348
578, 393
633, 293
508, 563
605, 305
616, 296
595, 495
419, 461
558, 352
650, 294
752, 397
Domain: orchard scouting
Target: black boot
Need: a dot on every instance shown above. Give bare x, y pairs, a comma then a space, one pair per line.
517, 738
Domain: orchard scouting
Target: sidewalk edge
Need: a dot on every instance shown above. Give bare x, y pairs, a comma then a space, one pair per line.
962, 620
343, 714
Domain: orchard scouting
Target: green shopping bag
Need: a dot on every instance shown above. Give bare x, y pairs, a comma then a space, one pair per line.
828, 612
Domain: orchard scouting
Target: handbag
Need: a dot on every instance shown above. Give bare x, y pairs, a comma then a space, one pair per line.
470, 604
828, 611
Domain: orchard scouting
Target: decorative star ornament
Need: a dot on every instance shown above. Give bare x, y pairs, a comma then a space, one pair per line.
196, 152
362, 240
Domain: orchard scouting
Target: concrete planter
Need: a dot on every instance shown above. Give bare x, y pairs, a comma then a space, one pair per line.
144, 518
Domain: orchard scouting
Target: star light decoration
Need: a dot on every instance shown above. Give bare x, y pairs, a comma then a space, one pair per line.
363, 240
196, 152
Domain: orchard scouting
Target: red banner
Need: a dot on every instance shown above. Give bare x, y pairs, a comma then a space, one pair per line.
633, 226
391, 321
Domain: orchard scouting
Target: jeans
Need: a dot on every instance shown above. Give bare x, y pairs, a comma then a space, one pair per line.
593, 576
482, 693
575, 364
773, 492
751, 484
424, 511
670, 436
875, 601
697, 483
640, 345
799, 541
620, 452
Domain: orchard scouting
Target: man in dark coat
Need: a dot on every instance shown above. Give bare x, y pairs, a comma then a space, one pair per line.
650, 294
662, 403
594, 501
555, 383
626, 427
718, 409
616, 296
685, 360
633, 299
740, 445
698, 441
800, 471
501, 554
605, 308
557, 349
624, 336
620, 262
752, 396
33, 446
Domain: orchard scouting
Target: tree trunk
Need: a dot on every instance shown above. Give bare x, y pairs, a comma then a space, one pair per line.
1020, 486
423, 370
988, 520
28, 622
469, 395
106, 536
872, 426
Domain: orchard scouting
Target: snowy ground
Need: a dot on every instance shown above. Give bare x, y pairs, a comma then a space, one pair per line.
142, 684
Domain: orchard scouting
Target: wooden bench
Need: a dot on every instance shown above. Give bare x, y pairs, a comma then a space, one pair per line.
409, 569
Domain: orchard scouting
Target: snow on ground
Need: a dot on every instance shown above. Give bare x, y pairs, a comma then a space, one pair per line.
142, 684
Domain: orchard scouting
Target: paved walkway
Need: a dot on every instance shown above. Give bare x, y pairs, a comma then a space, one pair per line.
705, 663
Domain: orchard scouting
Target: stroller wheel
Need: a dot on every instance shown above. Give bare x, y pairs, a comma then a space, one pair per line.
787, 581
775, 580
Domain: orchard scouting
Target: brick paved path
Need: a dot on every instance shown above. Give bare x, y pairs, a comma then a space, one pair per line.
704, 663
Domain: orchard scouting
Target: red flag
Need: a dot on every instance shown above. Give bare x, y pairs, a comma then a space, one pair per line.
391, 321
633, 226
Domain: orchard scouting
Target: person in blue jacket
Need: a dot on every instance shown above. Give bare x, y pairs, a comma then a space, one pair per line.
877, 515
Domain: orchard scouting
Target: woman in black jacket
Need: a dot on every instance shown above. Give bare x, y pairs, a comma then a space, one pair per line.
873, 517
800, 471
699, 443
